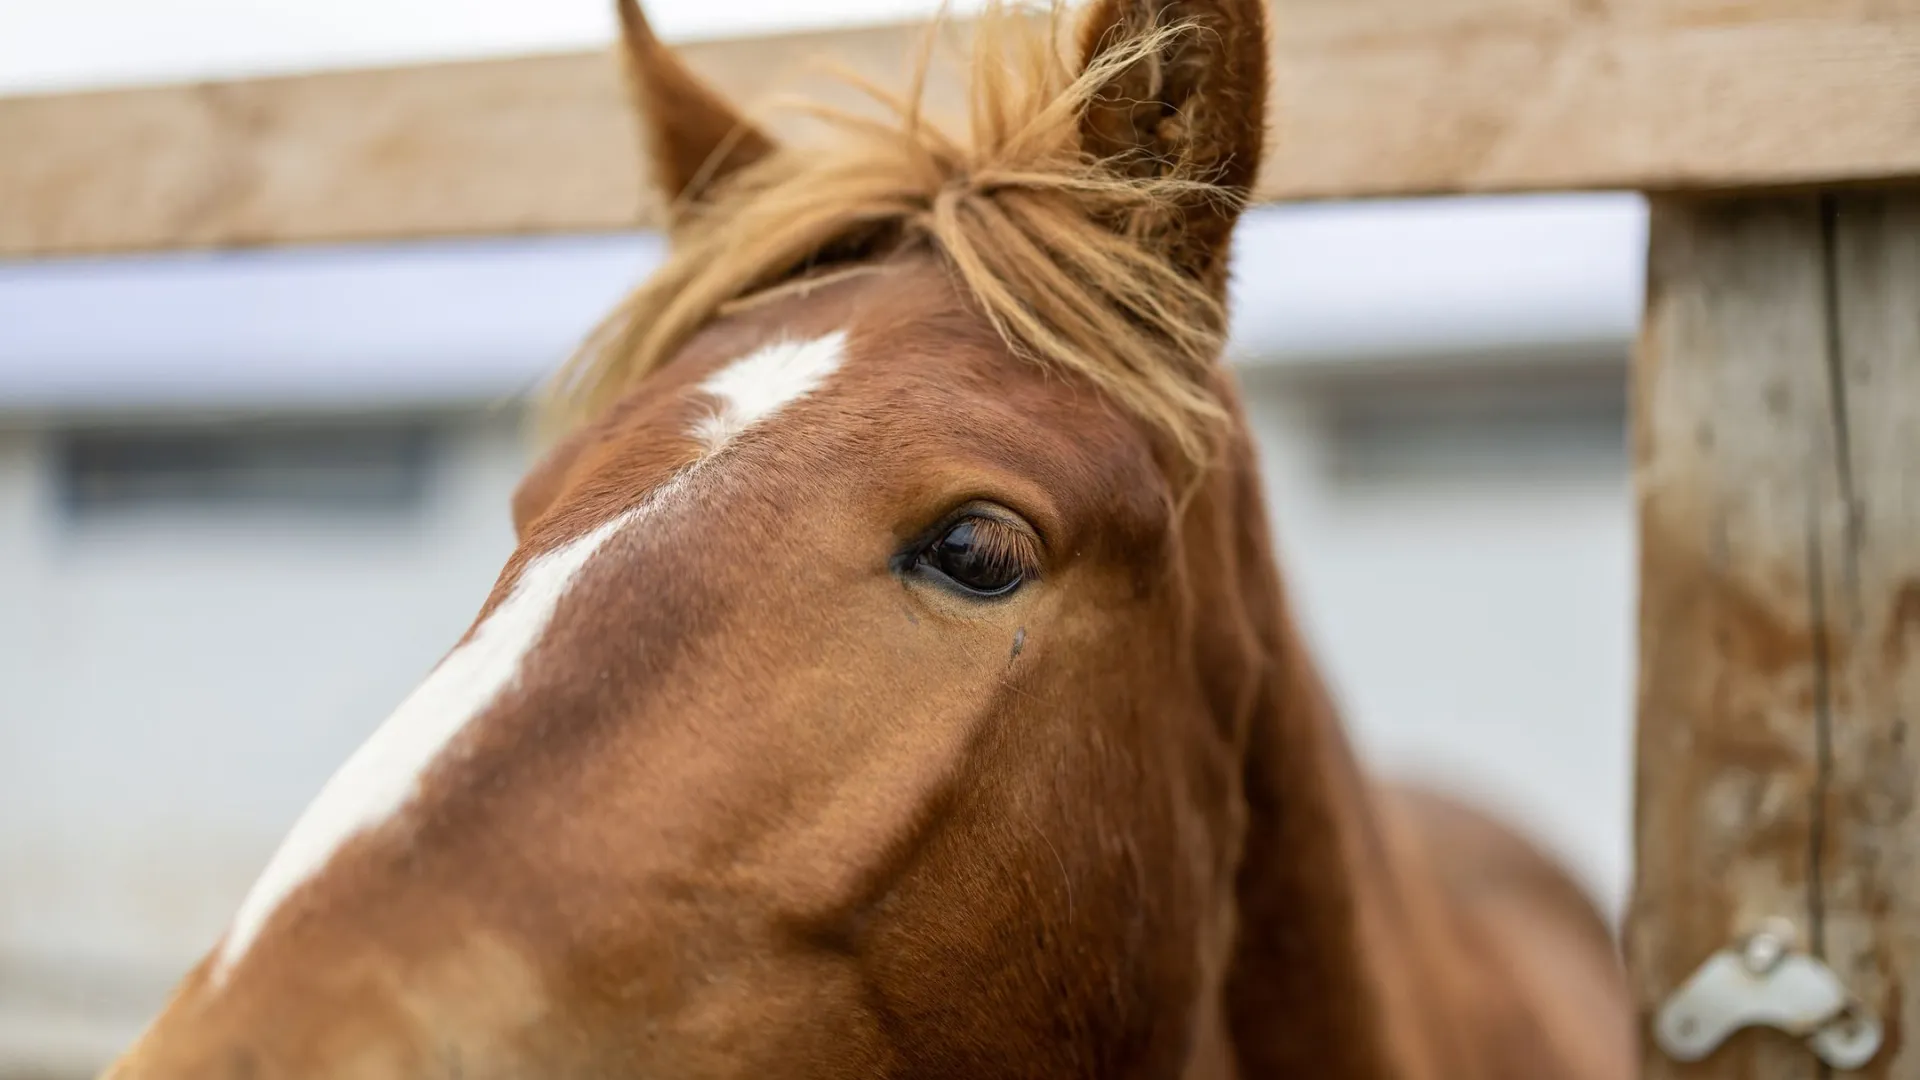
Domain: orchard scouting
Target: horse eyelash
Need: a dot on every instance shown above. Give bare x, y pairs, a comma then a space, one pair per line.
1011, 546
1007, 545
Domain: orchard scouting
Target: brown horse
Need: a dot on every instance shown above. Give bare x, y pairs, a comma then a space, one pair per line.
893, 678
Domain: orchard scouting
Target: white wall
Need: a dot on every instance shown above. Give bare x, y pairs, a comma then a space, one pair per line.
1474, 613
172, 692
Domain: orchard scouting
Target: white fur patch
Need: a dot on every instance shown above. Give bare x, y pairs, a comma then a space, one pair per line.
385, 772
763, 382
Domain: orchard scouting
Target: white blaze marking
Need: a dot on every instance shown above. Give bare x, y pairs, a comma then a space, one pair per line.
763, 382
385, 772
381, 776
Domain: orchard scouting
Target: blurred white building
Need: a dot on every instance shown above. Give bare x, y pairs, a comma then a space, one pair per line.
246, 500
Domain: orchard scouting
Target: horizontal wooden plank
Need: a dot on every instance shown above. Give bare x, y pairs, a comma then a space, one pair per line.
1411, 97
1375, 98
505, 146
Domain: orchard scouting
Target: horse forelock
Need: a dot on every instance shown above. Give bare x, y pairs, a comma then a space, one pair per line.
1016, 208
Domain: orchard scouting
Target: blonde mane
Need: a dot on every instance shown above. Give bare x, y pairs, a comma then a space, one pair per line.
1065, 254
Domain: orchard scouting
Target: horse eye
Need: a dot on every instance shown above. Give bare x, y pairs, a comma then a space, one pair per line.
980, 555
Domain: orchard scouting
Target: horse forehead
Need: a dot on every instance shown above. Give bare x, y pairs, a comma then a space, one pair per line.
385, 776
750, 390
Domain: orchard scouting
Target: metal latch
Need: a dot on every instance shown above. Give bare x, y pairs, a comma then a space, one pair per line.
1765, 982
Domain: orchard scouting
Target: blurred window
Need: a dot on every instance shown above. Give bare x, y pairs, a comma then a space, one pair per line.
312, 466
1496, 425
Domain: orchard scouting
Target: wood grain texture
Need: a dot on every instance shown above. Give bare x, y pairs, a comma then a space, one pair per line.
1733, 451
1375, 97
1777, 395
1403, 97
540, 144
1871, 852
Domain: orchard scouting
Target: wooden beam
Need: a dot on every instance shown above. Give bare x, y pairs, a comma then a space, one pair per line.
1375, 98
540, 144
1418, 97
1778, 426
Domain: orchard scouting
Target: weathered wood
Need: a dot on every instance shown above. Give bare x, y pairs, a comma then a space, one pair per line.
1871, 856
1376, 97
1415, 97
508, 146
1733, 440
1777, 431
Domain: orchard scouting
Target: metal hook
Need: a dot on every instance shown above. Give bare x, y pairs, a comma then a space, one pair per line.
1767, 982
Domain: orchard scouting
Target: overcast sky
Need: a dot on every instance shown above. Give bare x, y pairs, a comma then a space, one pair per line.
67, 44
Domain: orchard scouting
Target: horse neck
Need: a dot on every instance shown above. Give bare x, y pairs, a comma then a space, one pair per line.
1314, 886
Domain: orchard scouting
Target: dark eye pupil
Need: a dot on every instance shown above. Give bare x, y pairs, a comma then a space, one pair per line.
969, 559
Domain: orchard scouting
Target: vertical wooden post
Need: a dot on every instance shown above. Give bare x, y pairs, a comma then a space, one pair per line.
1777, 448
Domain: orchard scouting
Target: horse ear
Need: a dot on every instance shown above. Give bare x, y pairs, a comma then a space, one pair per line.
693, 136
1192, 106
